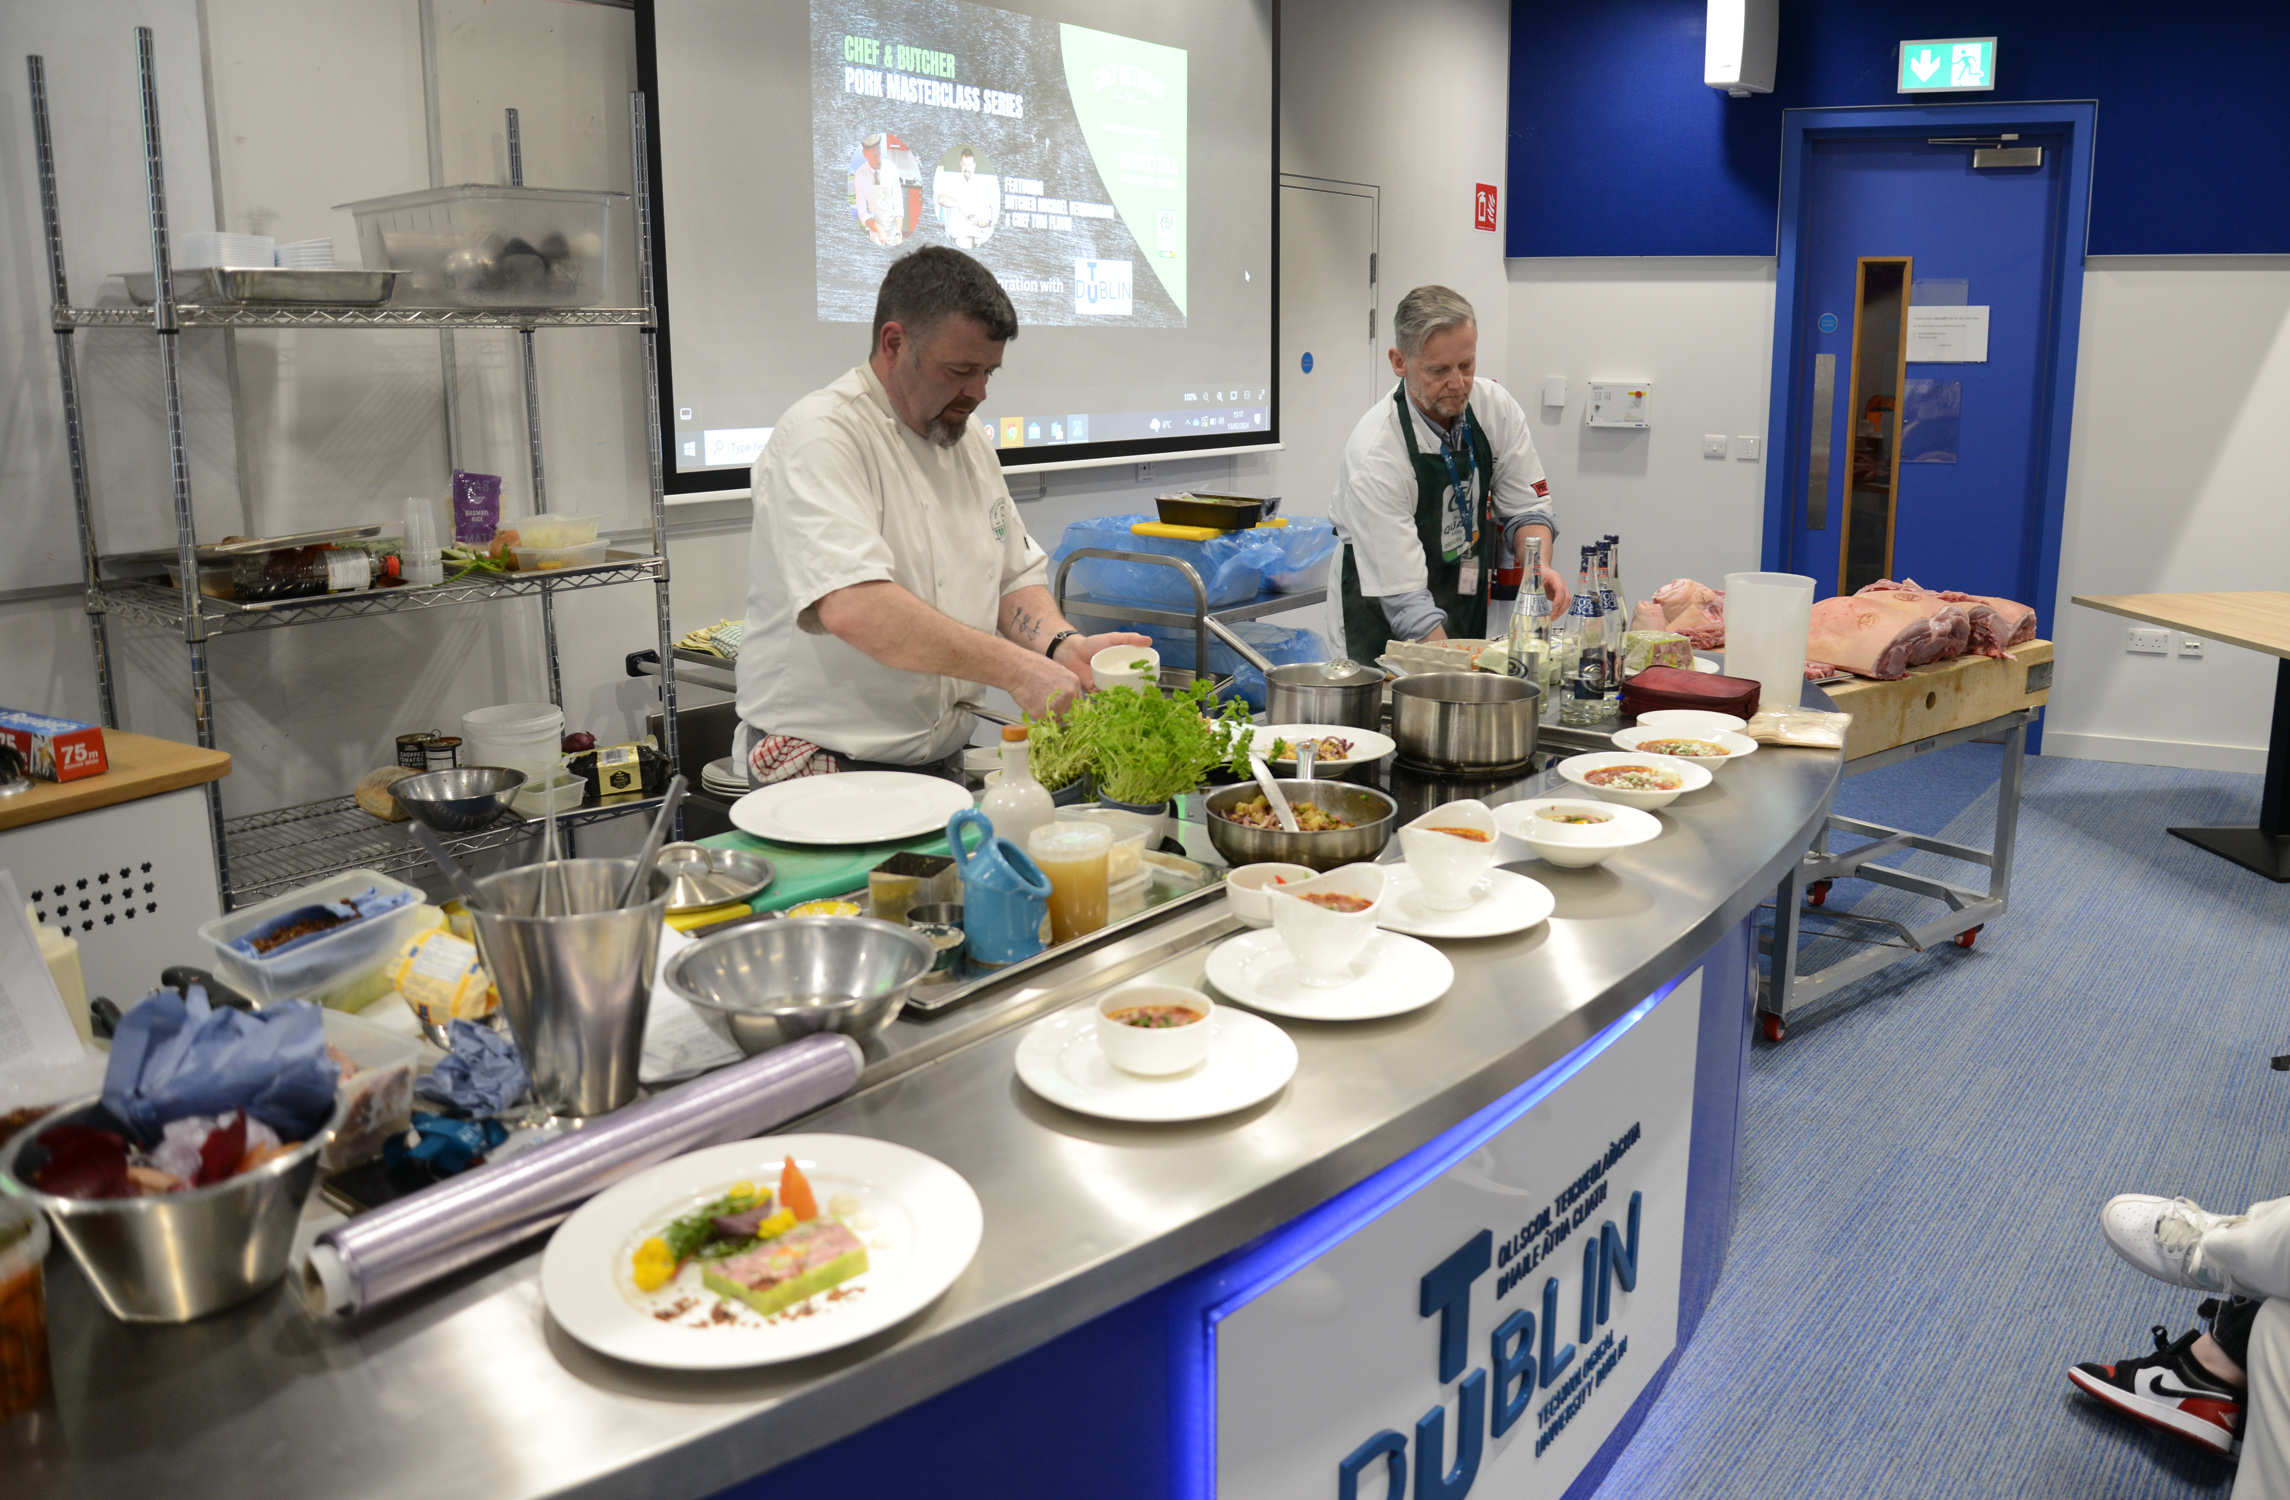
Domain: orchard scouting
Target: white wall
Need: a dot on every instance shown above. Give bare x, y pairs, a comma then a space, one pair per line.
1701, 331
2174, 486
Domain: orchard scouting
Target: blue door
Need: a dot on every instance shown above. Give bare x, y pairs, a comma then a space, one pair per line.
1869, 184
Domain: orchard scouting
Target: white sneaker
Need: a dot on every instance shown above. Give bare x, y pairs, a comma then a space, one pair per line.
2163, 1237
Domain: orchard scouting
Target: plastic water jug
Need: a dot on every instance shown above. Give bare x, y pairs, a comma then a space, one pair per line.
1005, 895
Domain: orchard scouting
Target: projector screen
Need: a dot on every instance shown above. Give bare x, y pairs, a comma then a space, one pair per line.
1112, 163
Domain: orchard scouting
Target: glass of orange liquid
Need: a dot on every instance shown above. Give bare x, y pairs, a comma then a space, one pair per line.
1074, 857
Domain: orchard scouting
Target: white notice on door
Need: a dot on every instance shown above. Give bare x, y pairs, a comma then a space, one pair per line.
1948, 335
35, 1029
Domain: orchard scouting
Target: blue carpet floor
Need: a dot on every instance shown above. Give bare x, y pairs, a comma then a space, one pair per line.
1916, 1257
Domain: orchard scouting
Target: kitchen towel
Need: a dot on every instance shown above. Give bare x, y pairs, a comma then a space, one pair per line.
438, 1231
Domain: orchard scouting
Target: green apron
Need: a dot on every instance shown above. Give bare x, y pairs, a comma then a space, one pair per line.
1365, 629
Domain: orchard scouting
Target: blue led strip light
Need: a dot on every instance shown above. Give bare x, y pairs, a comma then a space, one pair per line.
1216, 1293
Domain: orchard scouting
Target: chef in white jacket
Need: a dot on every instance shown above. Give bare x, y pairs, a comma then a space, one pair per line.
1438, 485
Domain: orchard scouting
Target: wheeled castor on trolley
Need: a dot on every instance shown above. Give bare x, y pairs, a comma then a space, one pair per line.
1817, 894
1964, 939
1775, 1028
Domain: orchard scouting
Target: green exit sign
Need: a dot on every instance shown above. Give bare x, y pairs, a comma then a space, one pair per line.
1948, 65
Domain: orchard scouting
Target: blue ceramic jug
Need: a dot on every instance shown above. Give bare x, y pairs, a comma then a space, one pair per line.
1005, 895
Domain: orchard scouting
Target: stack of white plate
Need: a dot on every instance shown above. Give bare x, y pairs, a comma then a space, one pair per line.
307, 255
726, 777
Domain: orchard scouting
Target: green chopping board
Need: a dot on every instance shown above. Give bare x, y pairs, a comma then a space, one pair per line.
810, 871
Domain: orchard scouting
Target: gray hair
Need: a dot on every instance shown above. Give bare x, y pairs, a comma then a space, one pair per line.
1425, 311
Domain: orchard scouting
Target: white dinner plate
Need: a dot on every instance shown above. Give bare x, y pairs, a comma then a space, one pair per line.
1392, 975
919, 1220
1704, 664
1249, 1060
1502, 902
1367, 745
858, 807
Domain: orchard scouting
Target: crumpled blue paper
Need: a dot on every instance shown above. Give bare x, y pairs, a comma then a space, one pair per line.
367, 903
482, 1076
176, 1055
447, 1145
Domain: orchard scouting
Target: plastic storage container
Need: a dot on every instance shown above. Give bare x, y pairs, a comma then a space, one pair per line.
527, 737
480, 246
378, 1097
1130, 832
557, 532
539, 559
323, 962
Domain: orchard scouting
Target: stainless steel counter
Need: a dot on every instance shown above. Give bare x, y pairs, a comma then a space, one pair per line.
470, 1390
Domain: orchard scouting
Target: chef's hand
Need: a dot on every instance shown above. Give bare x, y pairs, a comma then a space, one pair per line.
1554, 587
1075, 654
1046, 686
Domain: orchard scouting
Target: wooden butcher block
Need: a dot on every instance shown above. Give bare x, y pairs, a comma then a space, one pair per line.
1943, 696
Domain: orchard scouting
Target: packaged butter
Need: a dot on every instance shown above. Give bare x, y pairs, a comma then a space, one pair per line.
441, 977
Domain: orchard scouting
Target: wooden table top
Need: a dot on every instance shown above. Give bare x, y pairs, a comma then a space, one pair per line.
140, 766
2258, 621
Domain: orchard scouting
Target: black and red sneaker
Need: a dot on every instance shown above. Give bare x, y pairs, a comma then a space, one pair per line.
2170, 1389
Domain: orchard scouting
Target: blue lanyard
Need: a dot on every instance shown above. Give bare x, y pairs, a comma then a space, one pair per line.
1461, 495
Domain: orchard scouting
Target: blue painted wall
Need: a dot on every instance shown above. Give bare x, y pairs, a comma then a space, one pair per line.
1618, 148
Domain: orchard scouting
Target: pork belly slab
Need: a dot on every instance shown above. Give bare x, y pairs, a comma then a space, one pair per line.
1881, 635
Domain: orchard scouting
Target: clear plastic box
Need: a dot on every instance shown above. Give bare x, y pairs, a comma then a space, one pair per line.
380, 1093
540, 559
306, 970
480, 246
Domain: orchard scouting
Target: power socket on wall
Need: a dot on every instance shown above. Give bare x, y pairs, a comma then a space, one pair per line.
2149, 640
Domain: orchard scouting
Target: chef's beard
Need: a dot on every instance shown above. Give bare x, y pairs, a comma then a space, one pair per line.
947, 427
1447, 409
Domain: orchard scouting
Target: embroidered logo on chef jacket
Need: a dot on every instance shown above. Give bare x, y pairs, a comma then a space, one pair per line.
1001, 520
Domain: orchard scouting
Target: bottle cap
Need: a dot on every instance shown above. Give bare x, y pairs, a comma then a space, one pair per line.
1012, 733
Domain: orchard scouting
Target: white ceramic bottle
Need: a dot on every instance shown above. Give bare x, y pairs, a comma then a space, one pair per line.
1017, 804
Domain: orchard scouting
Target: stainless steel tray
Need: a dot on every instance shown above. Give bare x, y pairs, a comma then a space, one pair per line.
246, 546
211, 286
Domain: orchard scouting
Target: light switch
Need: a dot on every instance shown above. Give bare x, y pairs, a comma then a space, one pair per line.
1713, 445
1745, 447
1554, 390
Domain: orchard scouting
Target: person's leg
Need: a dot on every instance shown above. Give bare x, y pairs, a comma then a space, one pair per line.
2265, 1471
2178, 1241
2225, 1350
2253, 1252
2173, 1389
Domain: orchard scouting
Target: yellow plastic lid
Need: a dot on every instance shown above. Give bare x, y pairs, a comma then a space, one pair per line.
1011, 733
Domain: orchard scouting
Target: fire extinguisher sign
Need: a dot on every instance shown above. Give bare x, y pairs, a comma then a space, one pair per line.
1484, 210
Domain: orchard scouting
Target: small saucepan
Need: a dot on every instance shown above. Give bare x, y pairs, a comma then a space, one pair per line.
1343, 692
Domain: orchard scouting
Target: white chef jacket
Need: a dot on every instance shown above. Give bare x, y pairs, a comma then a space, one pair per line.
1374, 502
970, 217
847, 493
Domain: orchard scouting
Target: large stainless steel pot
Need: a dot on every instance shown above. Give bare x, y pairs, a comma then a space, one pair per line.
1464, 721
1320, 692
1371, 814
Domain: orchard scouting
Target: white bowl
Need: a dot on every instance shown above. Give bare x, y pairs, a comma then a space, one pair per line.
1153, 1051
1111, 667
1734, 745
1692, 777
1245, 889
980, 759
1449, 864
1692, 721
1576, 846
1324, 942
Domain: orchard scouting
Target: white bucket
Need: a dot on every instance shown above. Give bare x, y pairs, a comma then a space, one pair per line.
523, 736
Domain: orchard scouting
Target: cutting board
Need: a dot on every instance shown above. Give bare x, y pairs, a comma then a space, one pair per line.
1946, 695
810, 871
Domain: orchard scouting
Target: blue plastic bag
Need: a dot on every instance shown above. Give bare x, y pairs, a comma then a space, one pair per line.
1232, 566
176, 1055
1306, 544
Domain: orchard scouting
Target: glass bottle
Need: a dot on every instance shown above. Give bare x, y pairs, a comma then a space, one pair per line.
1614, 624
1531, 657
1017, 804
1585, 701
1617, 599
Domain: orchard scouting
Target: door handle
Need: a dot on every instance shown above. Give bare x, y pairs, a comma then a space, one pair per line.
1817, 450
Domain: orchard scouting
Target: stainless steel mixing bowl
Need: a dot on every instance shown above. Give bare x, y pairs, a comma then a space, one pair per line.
458, 800
1371, 814
174, 1256
776, 982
